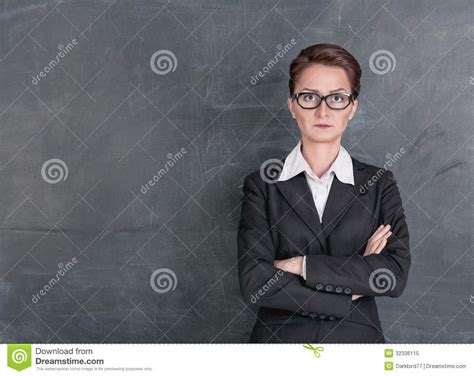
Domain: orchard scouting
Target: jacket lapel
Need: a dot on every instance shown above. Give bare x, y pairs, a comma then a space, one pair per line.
341, 197
298, 194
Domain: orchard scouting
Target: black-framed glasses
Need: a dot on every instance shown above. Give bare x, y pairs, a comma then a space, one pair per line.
335, 101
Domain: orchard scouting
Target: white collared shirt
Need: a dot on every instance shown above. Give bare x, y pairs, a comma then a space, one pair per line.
320, 187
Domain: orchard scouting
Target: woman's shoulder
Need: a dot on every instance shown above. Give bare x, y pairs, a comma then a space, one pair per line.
268, 173
270, 170
360, 165
374, 175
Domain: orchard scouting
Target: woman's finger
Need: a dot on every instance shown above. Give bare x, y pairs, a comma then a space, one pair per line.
379, 234
375, 239
375, 245
380, 230
371, 245
382, 244
377, 230
370, 248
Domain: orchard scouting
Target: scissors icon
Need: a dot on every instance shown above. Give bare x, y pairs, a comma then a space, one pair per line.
471, 299
316, 350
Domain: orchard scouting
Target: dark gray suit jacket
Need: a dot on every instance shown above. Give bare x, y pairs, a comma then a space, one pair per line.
279, 220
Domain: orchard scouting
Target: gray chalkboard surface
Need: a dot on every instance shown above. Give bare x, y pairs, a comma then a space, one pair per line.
126, 128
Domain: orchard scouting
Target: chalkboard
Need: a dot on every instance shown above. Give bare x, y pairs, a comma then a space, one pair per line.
127, 127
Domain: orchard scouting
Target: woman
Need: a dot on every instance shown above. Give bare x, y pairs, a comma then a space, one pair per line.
321, 239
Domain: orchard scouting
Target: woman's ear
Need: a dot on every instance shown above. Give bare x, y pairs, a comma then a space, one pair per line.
290, 107
354, 109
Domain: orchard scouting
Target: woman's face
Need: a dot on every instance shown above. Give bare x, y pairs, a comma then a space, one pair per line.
322, 79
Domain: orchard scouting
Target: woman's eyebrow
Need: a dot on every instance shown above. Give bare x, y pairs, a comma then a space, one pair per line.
332, 91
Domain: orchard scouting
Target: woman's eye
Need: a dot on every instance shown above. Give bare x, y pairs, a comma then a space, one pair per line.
339, 99
309, 97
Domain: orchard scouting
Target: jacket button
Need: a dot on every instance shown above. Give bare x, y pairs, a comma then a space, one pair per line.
339, 289
332, 317
329, 288
319, 286
313, 315
347, 291
323, 316
304, 313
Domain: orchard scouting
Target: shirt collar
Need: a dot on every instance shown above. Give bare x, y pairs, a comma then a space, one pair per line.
295, 163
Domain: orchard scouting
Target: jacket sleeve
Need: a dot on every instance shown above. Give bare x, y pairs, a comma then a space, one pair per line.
383, 274
261, 283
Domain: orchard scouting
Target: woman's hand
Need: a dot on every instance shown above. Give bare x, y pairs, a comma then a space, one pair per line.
376, 244
292, 265
378, 240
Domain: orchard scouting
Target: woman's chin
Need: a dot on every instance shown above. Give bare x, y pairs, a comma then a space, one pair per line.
321, 138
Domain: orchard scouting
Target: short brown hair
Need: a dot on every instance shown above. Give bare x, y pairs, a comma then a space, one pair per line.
326, 54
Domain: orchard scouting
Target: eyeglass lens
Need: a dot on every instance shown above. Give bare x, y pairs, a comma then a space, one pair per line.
335, 101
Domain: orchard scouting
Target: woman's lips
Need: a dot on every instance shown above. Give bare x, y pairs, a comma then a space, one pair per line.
323, 125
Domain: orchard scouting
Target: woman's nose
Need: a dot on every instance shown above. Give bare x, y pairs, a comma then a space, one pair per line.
322, 110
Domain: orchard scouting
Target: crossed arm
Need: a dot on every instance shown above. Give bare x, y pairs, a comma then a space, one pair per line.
262, 283
383, 268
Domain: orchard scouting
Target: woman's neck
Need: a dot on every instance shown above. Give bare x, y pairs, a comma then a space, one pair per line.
320, 155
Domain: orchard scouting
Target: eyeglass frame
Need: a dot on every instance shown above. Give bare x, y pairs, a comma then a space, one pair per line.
323, 98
